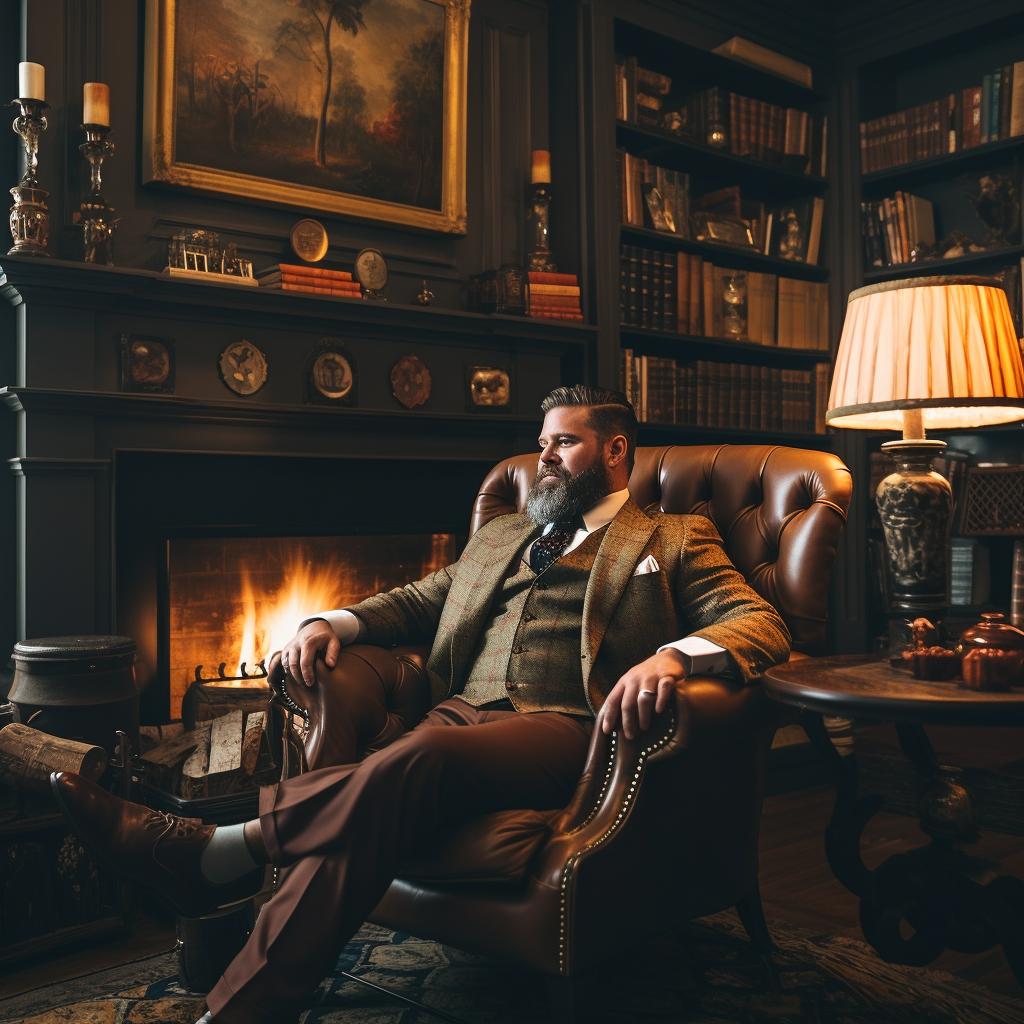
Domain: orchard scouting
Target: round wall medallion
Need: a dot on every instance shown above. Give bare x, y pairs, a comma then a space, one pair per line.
410, 381
243, 368
371, 270
332, 375
309, 240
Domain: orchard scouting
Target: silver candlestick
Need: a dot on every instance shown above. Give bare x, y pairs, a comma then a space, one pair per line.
30, 222
97, 215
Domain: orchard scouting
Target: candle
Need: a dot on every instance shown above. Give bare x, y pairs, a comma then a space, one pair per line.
31, 81
96, 100
541, 174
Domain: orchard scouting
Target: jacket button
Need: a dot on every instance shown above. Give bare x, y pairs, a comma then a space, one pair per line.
517, 649
542, 586
527, 617
511, 686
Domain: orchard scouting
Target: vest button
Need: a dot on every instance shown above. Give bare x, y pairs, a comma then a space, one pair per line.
527, 617
517, 649
511, 686
542, 586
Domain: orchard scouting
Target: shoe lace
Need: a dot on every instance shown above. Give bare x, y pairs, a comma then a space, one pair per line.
182, 826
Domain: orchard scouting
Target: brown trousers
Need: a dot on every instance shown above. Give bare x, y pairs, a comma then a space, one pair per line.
347, 831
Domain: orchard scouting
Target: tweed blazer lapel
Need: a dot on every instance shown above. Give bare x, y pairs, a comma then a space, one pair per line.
479, 582
617, 557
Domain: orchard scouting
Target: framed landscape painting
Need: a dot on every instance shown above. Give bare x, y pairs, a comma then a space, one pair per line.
353, 107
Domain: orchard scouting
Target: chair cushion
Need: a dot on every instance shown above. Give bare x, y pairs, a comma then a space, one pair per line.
493, 848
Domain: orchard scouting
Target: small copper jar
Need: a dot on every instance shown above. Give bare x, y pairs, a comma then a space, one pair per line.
993, 653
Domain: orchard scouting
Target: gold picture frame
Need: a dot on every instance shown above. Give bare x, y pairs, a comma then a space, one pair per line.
181, 138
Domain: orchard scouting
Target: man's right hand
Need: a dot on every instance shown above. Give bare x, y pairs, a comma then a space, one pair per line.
299, 655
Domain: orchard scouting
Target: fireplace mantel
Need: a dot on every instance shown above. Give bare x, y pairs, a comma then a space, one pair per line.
77, 432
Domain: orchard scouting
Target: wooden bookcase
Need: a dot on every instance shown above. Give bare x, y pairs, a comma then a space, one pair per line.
693, 69
885, 85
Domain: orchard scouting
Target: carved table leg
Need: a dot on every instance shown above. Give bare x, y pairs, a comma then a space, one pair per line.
951, 900
849, 815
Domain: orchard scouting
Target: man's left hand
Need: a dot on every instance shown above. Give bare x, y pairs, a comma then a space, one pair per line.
646, 689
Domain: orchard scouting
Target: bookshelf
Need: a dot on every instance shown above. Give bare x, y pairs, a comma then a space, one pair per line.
770, 157
886, 86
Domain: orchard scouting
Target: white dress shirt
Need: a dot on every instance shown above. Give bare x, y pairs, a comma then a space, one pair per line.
700, 656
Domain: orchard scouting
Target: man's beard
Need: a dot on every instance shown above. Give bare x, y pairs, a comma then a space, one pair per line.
570, 497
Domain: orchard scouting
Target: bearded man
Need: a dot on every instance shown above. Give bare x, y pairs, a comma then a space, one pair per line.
585, 612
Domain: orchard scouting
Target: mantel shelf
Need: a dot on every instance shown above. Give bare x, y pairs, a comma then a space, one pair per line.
82, 285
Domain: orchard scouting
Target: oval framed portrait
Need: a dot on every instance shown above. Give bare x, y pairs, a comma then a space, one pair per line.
331, 377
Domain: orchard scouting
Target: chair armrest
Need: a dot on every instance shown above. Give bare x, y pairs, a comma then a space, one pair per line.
367, 700
709, 712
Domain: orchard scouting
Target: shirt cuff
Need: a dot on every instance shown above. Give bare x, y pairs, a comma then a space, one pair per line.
348, 627
701, 657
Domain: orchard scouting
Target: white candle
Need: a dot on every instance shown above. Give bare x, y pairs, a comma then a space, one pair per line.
31, 81
96, 100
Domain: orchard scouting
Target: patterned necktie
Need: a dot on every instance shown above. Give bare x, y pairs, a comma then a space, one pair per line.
553, 544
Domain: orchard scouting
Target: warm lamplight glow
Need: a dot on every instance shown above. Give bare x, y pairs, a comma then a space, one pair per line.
945, 346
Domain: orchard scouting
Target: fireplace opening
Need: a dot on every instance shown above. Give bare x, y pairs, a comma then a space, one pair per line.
232, 601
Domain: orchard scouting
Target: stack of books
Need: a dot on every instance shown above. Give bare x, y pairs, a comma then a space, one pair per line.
989, 112
711, 394
292, 277
893, 227
553, 296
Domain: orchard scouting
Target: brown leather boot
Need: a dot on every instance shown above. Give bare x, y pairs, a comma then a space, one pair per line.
159, 852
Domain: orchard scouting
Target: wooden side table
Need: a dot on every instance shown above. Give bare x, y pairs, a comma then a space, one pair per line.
950, 899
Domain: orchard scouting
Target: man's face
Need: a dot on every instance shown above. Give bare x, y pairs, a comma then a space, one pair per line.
571, 473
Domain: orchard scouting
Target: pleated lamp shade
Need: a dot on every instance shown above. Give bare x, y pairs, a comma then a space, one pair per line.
943, 345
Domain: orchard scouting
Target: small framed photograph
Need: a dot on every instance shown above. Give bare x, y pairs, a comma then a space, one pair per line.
711, 227
197, 261
242, 368
656, 214
147, 364
489, 389
791, 231
331, 376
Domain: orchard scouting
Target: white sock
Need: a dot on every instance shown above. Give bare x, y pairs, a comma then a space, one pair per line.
226, 856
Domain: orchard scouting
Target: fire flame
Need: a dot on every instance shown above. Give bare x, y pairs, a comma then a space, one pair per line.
269, 620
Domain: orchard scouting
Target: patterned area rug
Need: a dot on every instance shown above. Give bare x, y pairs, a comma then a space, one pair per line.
707, 974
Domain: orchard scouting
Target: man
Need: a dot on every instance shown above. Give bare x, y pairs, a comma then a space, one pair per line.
584, 610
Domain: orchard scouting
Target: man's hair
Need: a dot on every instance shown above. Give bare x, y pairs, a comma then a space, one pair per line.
610, 413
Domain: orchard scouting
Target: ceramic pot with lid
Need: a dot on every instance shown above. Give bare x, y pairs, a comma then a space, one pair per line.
993, 653
79, 687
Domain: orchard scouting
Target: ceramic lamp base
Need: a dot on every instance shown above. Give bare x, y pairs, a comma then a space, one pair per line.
915, 505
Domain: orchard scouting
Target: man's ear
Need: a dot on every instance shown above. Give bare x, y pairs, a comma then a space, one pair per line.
617, 449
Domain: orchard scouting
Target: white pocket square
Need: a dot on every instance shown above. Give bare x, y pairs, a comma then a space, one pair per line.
649, 564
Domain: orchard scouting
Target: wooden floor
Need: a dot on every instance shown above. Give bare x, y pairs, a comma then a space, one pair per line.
797, 888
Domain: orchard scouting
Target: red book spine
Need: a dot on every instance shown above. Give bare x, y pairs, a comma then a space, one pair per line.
543, 277
295, 268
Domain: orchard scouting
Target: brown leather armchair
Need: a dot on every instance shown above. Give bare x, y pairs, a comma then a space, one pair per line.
661, 829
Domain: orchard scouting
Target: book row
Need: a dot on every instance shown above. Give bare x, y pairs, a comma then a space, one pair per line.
705, 393
738, 124
895, 229
684, 293
988, 112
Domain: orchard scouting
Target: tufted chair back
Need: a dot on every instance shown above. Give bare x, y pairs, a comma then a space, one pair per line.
780, 512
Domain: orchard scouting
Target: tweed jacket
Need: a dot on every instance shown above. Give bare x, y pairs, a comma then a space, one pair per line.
625, 617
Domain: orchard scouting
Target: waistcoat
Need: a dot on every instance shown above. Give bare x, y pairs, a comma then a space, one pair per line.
529, 651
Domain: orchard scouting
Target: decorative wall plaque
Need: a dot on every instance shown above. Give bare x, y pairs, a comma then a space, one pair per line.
243, 367
147, 364
410, 381
309, 240
371, 272
489, 389
331, 375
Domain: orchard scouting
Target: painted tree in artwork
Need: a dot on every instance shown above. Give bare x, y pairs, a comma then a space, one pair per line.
321, 17
418, 86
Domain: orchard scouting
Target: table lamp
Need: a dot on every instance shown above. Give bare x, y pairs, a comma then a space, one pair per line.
926, 353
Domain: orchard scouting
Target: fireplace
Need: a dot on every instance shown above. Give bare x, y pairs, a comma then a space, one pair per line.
232, 601
218, 557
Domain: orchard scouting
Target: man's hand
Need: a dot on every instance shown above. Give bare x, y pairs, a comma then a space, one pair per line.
299, 654
645, 689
